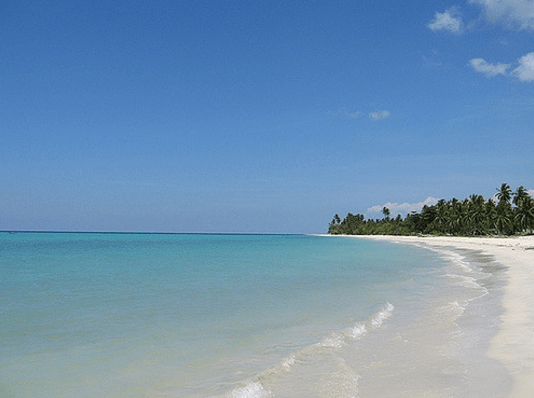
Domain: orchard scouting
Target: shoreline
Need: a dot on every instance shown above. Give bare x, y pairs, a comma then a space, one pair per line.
513, 345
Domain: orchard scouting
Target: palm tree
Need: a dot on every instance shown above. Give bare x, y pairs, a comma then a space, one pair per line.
477, 215
529, 206
520, 196
504, 194
440, 223
491, 215
503, 222
456, 217
513, 212
524, 212
504, 209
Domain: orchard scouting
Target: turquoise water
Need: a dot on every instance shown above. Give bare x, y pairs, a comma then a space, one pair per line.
150, 315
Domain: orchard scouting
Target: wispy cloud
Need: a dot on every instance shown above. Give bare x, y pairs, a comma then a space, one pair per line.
376, 115
490, 70
449, 20
379, 115
403, 208
515, 14
524, 71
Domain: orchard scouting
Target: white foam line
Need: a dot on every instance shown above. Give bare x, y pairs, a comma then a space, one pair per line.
458, 259
288, 362
252, 390
378, 319
335, 340
357, 331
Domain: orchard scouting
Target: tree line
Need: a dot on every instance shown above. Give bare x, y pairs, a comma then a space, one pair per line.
508, 214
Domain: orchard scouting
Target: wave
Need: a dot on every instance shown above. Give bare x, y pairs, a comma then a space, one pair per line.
465, 281
251, 390
375, 321
334, 341
378, 319
462, 273
358, 330
449, 255
468, 281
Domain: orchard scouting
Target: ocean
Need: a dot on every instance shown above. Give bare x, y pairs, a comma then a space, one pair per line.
244, 316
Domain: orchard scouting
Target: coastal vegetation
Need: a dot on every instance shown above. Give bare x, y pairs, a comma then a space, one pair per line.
508, 213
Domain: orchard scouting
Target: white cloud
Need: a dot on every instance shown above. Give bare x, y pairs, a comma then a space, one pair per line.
525, 70
511, 13
379, 115
449, 20
403, 208
531, 192
490, 70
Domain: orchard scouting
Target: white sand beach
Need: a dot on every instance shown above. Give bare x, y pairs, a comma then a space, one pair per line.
514, 344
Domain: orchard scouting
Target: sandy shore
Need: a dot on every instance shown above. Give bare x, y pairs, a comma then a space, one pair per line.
514, 344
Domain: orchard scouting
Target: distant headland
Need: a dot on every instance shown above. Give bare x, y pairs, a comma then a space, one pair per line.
510, 213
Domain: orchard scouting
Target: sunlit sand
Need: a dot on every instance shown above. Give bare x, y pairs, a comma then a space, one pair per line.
514, 344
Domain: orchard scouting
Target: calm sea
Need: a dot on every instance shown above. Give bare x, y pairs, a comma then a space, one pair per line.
244, 316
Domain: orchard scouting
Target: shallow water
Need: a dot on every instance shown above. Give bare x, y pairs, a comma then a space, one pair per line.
145, 315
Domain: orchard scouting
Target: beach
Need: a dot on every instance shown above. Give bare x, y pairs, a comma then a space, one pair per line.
513, 345
258, 316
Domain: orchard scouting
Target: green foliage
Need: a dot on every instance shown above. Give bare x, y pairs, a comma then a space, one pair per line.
513, 214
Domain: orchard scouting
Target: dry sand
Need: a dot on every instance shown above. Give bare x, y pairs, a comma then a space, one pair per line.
514, 343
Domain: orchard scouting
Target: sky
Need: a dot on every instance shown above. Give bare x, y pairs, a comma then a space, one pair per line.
234, 116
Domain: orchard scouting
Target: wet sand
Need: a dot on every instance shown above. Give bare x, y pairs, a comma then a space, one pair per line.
513, 345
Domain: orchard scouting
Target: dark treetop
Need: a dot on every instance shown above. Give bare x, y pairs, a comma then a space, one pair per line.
511, 213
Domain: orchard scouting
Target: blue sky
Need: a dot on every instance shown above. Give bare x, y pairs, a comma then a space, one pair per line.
247, 116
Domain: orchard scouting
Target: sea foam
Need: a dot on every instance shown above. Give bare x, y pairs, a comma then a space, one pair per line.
378, 319
251, 390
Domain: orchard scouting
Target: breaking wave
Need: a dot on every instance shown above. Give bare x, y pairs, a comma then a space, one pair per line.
333, 341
